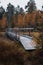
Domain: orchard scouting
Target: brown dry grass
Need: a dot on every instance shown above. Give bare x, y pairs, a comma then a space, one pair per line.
13, 53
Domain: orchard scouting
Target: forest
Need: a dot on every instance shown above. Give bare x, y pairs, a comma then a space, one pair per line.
17, 17
12, 52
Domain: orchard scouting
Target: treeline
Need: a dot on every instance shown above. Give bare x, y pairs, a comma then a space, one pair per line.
17, 17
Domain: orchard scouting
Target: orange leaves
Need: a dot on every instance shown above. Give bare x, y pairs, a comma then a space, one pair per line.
3, 22
24, 20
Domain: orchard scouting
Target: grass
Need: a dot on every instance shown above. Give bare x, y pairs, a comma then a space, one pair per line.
13, 53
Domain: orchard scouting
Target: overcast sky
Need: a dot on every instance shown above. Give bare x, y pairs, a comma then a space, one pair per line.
22, 3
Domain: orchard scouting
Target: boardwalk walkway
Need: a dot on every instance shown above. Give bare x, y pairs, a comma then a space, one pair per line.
27, 43
25, 40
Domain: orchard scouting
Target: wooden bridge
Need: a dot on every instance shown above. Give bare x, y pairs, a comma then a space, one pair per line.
26, 41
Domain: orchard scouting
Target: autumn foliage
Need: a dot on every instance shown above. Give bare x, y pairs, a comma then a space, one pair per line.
3, 22
24, 20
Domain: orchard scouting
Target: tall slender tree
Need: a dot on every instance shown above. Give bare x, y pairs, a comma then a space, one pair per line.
2, 11
31, 6
21, 11
10, 12
17, 13
42, 9
17, 9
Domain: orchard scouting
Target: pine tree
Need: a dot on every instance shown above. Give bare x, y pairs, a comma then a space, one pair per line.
31, 6
10, 12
